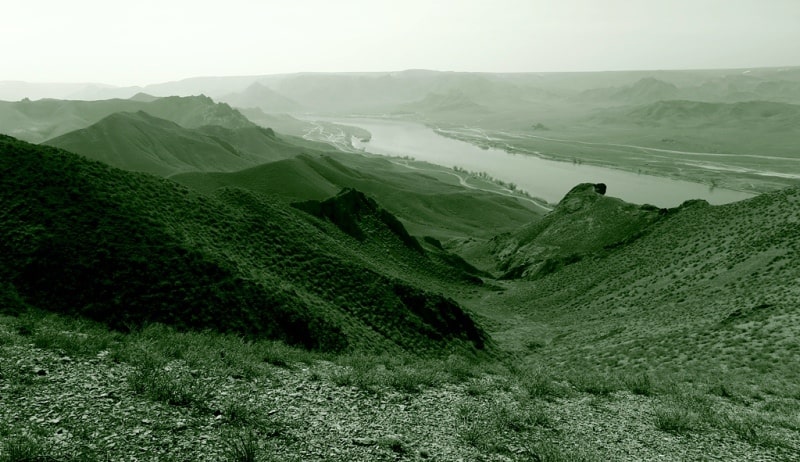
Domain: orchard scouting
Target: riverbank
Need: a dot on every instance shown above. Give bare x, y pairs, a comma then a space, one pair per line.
540, 177
709, 168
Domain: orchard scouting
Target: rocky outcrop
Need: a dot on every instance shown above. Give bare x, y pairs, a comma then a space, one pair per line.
349, 211
586, 222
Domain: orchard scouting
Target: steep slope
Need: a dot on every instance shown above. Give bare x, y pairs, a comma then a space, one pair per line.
262, 97
36, 121
143, 143
584, 223
378, 232
79, 237
707, 290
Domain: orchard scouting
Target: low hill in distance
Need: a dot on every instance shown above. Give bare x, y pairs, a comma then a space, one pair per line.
82, 238
645, 90
439, 104
262, 97
37, 121
697, 115
144, 143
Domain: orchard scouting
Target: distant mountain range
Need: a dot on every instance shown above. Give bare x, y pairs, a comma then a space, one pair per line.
261, 97
438, 103
41, 120
681, 113
645, 90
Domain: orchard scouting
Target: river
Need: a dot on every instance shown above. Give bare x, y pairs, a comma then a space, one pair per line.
547, 179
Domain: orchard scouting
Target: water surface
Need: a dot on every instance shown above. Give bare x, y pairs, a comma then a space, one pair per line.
547, 179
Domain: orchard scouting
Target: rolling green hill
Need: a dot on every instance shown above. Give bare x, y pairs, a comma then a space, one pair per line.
425, 202
82, 238
36, 121
143, 143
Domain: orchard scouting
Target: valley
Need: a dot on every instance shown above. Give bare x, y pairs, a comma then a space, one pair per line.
404, 266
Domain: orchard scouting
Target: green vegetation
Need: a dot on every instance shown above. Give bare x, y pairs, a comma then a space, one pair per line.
143, 143
428, 200
37, 121
288, 311
162, 391
132, 249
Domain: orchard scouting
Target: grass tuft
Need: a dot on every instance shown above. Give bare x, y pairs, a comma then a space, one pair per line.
167, 383
243, 447
540, 383
24, 448
640, 384
676, 419
544, 451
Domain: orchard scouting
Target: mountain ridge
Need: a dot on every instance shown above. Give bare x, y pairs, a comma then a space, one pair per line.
133, 248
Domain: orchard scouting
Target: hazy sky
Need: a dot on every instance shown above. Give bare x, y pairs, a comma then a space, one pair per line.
148, 41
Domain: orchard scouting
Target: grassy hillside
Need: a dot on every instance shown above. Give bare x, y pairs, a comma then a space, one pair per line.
36, 121
584, 223
428, 202
82, 238
707, 290
144, 143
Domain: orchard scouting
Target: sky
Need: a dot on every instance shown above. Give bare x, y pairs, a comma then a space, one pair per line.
150, 41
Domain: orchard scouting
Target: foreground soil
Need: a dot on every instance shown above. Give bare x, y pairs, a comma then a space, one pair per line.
91, 407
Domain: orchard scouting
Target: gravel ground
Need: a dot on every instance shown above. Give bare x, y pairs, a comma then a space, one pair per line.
85, 406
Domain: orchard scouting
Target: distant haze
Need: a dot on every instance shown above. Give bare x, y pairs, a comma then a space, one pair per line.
147, 41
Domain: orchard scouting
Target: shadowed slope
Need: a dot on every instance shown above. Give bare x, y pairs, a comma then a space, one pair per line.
79, 237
